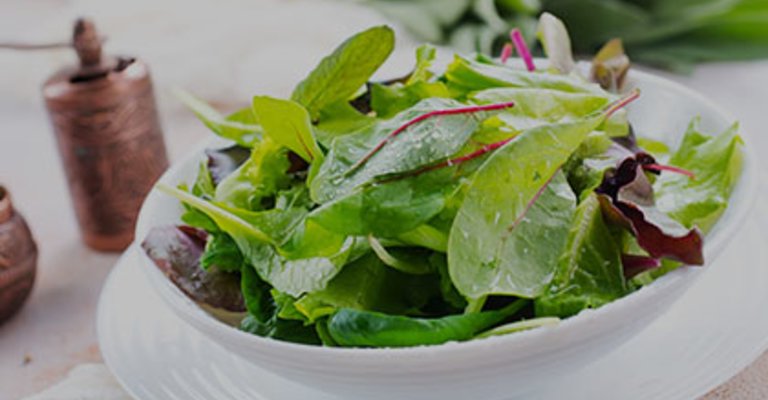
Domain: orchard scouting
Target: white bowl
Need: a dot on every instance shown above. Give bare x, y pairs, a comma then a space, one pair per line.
501, 367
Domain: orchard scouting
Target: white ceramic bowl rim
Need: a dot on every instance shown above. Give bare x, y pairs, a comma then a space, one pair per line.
738, 210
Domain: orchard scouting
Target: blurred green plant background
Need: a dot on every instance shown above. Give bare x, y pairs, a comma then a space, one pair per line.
672, 34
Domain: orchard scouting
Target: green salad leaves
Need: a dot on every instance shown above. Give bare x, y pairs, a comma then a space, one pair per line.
443, 206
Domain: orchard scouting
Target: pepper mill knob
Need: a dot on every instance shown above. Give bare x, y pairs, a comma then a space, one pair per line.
87, 43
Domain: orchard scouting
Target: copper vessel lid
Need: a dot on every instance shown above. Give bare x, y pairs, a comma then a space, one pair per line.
97, 80
6, 208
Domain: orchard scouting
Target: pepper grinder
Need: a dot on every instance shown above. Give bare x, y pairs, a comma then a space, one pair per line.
106, 124
18, 258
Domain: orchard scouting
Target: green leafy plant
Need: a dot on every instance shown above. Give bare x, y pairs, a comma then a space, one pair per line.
671, 34
444, 206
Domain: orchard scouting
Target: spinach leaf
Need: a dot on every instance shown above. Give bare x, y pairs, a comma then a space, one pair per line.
391, 208
221, 251
268, 310
368, 284
389, 100
309, 239
490, 253
298, 276
240, 127
421, 144
509, 250
350, 327
288, 124
339, 119
258, 299
280, 329
341, 74
716, 164
589, 272
450, 294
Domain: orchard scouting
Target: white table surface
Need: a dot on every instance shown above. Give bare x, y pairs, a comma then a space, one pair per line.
225, 52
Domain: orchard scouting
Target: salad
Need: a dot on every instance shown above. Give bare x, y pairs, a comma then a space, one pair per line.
456, 202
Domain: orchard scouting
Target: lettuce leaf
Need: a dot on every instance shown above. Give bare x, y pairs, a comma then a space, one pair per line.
716, 164
628, 199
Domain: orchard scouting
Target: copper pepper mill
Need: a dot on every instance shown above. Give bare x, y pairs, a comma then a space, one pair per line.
108, 132
18, 258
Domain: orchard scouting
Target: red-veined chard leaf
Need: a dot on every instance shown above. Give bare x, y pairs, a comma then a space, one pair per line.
510, 250
392, 207
542, 106
513, 250
358, 158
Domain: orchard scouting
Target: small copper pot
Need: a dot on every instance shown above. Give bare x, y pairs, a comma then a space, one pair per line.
18, 258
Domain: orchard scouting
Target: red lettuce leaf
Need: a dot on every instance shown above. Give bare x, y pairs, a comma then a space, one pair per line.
626, 196
635, 265
223, 162
176, 251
